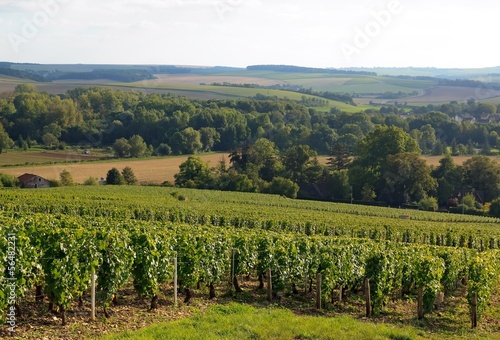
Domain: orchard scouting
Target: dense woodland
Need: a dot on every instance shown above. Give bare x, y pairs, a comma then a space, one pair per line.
273, 143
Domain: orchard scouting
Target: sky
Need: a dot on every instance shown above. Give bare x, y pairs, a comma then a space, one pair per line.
314, 33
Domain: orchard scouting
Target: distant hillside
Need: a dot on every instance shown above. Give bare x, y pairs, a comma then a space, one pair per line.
126, 76
22, 74
300, 69
447, 73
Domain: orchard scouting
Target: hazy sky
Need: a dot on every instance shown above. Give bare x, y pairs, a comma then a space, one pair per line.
439, 33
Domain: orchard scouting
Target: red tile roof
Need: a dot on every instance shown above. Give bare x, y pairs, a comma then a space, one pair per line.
26, 177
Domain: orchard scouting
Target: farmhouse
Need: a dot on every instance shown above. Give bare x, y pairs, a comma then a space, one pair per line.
33, 181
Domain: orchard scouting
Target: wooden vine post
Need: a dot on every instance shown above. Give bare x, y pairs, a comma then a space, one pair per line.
368, 302
92, 297
474, 310
231, 279
269, 285
318, 291
420, 303
175, 281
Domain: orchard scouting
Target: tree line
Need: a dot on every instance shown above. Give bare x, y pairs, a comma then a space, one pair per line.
387, 168
168, 124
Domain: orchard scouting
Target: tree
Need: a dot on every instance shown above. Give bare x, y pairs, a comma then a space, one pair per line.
340, 158
138, 148
66, 178
373, 150
406, 178
263, 160
5, 141
283, 186
428, 203
338, 183
194, 173
114, 177
49, 140
129, 176
209, 137
482, 174
427, 139
186, 142
164, 150
121, 147
25, 88
449, 178
495, 208
301, 164
233, 181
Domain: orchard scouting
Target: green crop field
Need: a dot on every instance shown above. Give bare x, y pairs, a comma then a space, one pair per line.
189, 85
319, 255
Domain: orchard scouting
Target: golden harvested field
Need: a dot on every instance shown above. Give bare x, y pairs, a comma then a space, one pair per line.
156, 170
459, 160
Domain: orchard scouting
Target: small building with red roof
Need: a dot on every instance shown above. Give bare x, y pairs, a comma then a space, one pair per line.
33, 181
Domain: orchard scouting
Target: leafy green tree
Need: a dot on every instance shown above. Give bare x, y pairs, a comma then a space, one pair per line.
25, 88
301, 164
495, 208
164, 150
428, 203
233, 181
448, 178
264, 160
384, 141
209, 137
406, 178
129, 176
427, 139
53, 129
121, 147
114, 177
138, 147
66, 178
338, 183
194, 173
5, 141
186, 142
469, 201
360, 178
482, 174
49, 140
283, 186
367, 193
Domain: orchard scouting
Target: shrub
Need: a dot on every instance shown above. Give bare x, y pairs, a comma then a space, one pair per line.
428, 204
90, 181
283, 186
495, 208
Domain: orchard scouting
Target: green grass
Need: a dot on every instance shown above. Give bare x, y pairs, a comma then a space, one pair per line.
236, 321
40, 156
242, 92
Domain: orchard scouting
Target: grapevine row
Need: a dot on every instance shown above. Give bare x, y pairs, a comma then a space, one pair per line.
60, 252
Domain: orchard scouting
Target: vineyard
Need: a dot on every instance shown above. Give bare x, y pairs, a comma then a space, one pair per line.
54, 240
